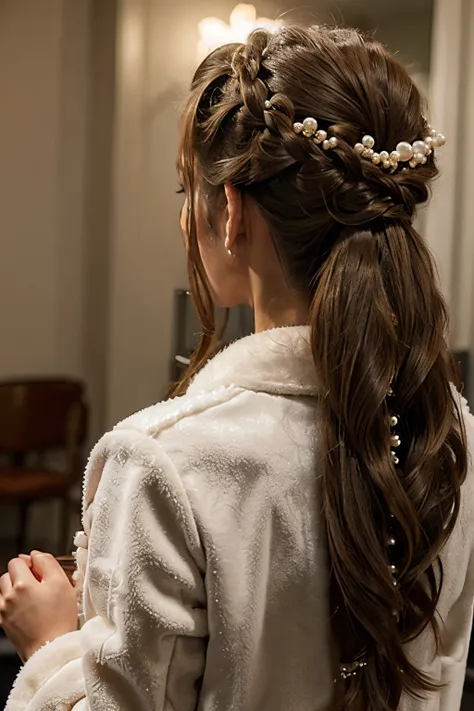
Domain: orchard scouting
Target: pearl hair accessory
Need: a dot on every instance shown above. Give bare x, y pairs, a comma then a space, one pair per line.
351, 669
412, 153
395, 442
309, 129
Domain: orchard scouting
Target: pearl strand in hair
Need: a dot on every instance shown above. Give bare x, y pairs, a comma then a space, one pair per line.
349, 669
414, 154
309, 129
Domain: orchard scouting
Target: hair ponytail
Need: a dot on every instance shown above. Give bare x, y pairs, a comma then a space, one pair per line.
378, 322
342, 228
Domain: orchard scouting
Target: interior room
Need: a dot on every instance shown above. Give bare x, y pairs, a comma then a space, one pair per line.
95, 311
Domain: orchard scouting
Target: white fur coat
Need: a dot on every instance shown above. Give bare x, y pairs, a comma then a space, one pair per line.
202, 562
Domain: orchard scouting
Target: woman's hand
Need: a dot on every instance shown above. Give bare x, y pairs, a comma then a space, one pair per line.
37, 602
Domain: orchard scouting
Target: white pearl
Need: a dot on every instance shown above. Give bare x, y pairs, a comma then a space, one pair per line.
405, 151
433, 133
424, 161
395, 458
393, 421
395, 441
321, 136
359, 148
384, 155
333, 142
268, 105
387, 164
429, 152
376, 159
419, 147
428, 142
326, 145
368, 142
440, 139
310, 126
394, 157
297, 127
413, 163
368, 153
418, 157
392, 541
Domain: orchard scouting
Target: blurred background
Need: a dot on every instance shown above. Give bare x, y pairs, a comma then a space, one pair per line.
93, 301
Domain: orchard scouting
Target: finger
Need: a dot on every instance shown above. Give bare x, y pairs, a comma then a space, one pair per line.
29, 562
19, 571
5, 584
45, 565
26, 558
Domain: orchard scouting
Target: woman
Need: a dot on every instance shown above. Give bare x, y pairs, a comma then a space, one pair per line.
295, 532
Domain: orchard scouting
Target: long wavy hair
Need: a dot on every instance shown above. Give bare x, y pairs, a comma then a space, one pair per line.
343, 230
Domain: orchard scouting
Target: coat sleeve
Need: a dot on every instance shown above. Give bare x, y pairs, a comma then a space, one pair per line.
143, 646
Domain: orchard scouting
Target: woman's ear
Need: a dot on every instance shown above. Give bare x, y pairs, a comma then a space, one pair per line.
234, 222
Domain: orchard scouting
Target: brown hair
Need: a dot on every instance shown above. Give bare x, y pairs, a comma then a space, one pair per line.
343, 230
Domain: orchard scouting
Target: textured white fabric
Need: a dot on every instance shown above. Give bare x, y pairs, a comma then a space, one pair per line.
202, 562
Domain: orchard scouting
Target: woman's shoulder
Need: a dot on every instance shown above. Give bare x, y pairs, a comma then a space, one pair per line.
165, 415
210, 437
227, 416
137, 438
171, 428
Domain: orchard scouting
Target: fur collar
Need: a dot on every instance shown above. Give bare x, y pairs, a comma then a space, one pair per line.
278, 361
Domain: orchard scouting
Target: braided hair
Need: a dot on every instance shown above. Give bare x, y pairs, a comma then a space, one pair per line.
343, 229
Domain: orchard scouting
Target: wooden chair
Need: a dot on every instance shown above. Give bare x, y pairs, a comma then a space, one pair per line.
39, 417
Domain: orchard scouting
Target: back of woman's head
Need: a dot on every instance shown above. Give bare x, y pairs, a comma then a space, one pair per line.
342, 227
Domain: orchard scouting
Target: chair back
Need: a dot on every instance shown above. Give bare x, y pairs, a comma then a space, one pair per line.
42, 414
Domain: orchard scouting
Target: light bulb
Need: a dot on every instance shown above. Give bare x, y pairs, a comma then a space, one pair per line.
213, 33
243, 13
243, 19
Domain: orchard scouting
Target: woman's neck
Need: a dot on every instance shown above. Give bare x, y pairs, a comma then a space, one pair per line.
280, 312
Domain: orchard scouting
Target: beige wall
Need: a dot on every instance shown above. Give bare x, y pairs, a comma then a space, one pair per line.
44, 47
29, 170
98, 208
156, 55
462, 275
92, 249
43, 87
